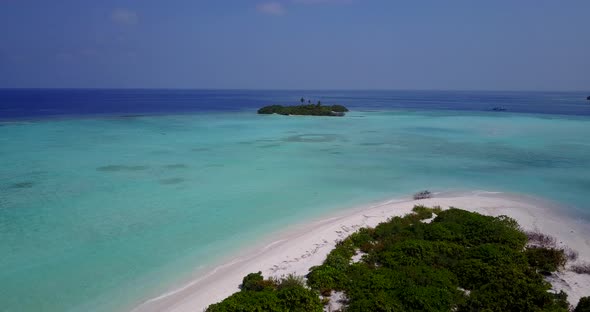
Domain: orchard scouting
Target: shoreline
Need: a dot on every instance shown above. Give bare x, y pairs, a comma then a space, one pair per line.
297, 248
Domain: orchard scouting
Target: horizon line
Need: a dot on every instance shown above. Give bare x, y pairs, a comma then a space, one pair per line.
283, 89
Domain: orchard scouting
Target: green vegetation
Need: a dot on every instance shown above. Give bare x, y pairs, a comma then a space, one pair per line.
460, 261
258, 294
303, 109
309, 110
583, 305
545, 260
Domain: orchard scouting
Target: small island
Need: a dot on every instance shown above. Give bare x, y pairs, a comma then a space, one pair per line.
308, 109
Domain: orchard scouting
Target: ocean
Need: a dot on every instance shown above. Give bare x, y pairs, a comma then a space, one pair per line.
111, 197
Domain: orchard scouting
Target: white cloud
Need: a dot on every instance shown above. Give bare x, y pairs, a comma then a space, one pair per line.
271, 8
124, 17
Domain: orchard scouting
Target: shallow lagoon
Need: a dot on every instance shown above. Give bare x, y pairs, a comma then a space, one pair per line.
92, 208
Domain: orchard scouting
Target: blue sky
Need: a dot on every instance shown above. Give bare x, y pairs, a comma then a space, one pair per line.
296, 44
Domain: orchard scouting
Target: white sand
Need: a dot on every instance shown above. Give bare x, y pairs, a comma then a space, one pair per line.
304, 246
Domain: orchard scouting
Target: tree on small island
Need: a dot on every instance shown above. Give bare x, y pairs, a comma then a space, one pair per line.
307, 110
302, 100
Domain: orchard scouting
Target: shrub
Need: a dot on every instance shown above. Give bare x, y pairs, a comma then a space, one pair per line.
338, 108
512, 292
583, 305
255, 282
423, 212
414, 266
473, 273
291, 281
561, 301
545, 259
583, 268
497, 255
299, 299
288, 295
326, 277
471, 229
540, 239
411, 288
571, 254
249, 301
363, 239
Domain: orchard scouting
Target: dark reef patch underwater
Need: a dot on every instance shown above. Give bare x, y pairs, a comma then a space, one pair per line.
119, 168
22, 185
171, 181
176, 166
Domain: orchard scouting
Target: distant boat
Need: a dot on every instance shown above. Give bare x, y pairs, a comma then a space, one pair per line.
499, 109
588, 98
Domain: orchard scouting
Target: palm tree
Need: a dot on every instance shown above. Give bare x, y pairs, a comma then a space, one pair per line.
302, 100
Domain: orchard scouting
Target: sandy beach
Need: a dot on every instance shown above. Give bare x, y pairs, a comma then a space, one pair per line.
298, 248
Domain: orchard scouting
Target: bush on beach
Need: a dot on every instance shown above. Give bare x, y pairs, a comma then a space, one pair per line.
424, 212
276, 295
460, 261
546, 260
255, 282
571, 254
583, 268
583, 305
540, 239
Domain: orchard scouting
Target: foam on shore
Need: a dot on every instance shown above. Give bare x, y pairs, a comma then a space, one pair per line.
297, 249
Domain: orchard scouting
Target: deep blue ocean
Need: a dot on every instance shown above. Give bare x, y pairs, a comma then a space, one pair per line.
111, 197
38, 103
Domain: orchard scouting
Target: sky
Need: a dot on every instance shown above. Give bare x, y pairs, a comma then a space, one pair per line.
296, 44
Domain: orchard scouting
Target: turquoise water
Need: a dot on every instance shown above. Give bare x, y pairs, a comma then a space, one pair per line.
98, 214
